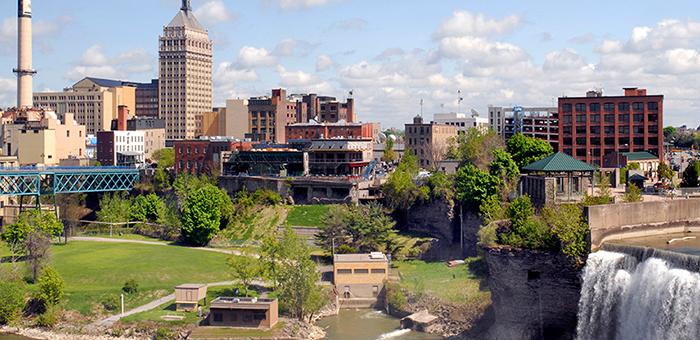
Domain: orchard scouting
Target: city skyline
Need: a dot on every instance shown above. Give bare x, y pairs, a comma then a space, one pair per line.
391, 56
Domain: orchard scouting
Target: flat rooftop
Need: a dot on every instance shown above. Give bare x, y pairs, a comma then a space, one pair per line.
241, 303
347, 258
191, 286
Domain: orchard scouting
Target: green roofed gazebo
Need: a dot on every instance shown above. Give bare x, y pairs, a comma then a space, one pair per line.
555, 178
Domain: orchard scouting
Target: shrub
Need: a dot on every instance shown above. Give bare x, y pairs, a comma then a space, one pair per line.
395, 296
49, 317
110, 303
488, 235
51, 287
345, 249
633, 194
130, 286
163, 334
526, 230
11, 301
266, 197
568, 225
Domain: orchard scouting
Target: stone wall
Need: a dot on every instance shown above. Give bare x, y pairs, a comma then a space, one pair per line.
627, 220
535, 294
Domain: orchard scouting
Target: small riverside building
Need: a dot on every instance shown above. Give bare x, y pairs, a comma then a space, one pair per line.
556, 178
187, 296
360, 275
243, 312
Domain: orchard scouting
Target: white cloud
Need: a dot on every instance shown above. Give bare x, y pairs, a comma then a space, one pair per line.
480, 51
324, 62
354, 24
295, 4
250, 56
214, 12
467, 23
682, 60
43, 32
293, 47
302, 81
94, 62
8, 91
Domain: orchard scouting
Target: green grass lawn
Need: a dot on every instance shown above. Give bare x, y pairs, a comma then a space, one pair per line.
125, 236
306, 215
456, 285
95, 272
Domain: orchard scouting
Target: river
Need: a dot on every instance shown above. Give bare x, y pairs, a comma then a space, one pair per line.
356, 324
5, 336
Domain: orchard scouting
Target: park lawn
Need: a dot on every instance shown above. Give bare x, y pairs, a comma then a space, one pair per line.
307, 215
126, 236
234, 333
458, 284
95, 271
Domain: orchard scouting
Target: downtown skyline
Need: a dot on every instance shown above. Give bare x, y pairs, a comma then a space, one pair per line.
391, 56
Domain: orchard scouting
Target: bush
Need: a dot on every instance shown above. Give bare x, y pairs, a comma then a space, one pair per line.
163, 334
633, 194
488, 235
345, 249
266, 197
51, 287
110, 303
130, 287
569, 227
395, 296
526, 230
49, 317
11, 301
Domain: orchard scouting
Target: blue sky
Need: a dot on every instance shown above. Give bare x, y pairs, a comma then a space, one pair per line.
391, 53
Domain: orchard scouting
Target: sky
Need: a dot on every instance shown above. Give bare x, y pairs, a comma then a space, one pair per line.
390, 53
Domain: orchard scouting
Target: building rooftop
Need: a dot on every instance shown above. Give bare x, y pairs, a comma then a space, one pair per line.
559, 162
336, 144
371, 257
242, 303
185, 18
639, 156
190, 286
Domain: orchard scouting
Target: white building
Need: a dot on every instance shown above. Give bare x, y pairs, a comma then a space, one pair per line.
122, 148
462, 121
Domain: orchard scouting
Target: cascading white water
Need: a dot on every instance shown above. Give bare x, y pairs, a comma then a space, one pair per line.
621, 299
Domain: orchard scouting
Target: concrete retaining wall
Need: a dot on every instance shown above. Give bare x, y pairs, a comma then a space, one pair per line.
628, 220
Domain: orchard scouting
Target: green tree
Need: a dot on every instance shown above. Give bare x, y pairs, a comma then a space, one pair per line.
51, 287
161, 179
503, 166
567, 223
474, 186
245, 269
165, 157
202, 214
633, 194
477, 147
400, 190
441, 186
148, 208
12, 295
114, 208
691, 174
389, 154
526, 150
364, 227
669, 133
665, 172
38, 245
526, 230
16, 234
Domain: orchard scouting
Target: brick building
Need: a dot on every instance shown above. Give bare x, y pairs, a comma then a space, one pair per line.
594, 126
197, 156
315, 130
268, 116
428, 141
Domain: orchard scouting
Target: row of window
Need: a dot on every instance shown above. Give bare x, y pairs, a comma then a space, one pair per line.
610, 141
610, 130
610, 107
610, 118
361, 271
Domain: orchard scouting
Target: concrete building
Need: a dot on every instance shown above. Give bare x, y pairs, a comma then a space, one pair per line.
557, 178
595, 126
331, 110
120, 148
93, 101
268, 116
428, 141
273, 162
537, 122
187, 296
462, 121
343, 130
203, 155
359, 276
147, 99
236, 122
153, 132
39, 137
243, 312
213, 123
340, 157
185, 74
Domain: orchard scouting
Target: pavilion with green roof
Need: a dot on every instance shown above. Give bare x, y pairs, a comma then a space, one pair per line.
555, 178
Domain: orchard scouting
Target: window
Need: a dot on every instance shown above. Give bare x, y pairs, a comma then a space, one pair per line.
595, 140
609, 118
581, 140
623, 118
580, 107
567, 130
609, 107
567, 119
638, 106
623, 107
653, 118
595, 118
652, 106
580, 118
638, 130
378, 271
595, 130
344, 271
609, 130
259, 315
361, 271
580, 130
594, 107
218, 317
624, 130
68, 133
565, 108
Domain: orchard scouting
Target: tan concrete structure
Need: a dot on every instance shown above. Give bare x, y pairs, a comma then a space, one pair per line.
24, 55
236, 121
94, 102
360, 275
185, 74
214, 122
187, 296
428, 141
243, 312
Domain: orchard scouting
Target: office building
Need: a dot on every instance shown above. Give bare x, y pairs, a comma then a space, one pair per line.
315, 130
153, 130
236, 121
203, 155
462, 121
595, 126
537, 122
93, 101
185, 74
360, 275
340, 157
120, 148
147, 99
268, 116
428, 141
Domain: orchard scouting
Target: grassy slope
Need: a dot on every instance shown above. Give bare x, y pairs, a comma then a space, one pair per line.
456, 285
95, 271
169, 309
306, 215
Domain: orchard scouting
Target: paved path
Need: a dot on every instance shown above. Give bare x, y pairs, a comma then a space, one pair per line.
108, 322
156, 243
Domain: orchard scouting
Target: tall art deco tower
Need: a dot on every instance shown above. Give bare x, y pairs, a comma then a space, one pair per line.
185, 84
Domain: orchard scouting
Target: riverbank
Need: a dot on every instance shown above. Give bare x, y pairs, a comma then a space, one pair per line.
42, 334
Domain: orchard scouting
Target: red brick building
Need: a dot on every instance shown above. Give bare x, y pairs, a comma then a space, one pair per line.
313, 130
200, 156
594, 126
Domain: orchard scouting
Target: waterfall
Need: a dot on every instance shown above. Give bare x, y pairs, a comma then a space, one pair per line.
622, 299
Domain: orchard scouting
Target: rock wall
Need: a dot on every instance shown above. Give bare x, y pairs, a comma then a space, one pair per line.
535, 294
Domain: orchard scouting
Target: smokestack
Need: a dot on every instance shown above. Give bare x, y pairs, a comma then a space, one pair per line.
351, 110
24, 55
122, 113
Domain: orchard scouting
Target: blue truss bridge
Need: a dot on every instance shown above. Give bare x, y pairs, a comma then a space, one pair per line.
37, 181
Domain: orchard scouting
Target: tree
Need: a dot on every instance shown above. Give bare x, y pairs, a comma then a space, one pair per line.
11, 300
28, 222
691, 174
476, 147
51, 287
568, 225
669, 133
503, 166
665, 172
148, 208
389, 154
161, 179
38, 246
526, 150
474, 186
633, 194
526, 230
364, 227
205, 211
165, 157
441, 186
114, 208
400, 190
245, 269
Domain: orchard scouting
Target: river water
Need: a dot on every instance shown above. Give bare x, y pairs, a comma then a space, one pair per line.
13, 337
622, 299
367, 324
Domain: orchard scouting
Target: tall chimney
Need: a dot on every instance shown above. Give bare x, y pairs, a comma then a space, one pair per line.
24, 55
351, 110
122, 113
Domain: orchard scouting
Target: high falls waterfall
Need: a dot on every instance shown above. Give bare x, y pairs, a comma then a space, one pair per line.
622, 298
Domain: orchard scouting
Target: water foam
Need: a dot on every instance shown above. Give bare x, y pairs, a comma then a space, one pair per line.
394, 334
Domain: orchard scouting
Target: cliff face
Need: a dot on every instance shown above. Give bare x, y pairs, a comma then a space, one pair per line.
535, 294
